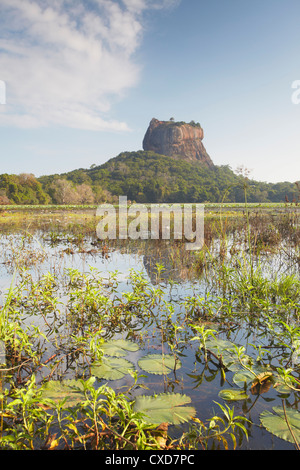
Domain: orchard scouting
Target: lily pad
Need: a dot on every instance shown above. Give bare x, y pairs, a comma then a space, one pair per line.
118, 347
243, 377
159, 364
71, 390
165, 408
283, 390
246, 377
276, 423
233, 394
111, 368
219, 345
283, 387
228, 351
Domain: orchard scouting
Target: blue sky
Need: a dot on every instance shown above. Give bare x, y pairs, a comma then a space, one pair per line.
84, 79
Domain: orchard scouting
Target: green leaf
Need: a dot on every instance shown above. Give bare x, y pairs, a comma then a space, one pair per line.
118, 347
283, 386
227, 350
71, 390
111, 368
159, 364
276, 423
233, 394
165, 408
243, 377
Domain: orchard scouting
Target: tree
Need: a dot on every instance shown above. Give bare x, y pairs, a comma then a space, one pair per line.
64, 192
85, 194
3, 198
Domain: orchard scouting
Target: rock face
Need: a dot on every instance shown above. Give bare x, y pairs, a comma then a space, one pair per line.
177, 139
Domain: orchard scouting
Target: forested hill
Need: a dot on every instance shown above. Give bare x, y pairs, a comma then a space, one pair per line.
143, 176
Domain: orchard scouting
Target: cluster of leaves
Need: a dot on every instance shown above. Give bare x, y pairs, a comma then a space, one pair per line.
22, 189
180, 123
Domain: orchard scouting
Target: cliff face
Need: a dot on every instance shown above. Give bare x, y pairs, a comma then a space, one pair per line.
177, 139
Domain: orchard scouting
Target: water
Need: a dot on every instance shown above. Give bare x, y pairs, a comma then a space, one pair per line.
202, 382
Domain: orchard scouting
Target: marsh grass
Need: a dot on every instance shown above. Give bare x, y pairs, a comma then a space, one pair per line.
54, 323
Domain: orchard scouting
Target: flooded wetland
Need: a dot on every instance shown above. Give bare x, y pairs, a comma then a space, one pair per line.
141, 344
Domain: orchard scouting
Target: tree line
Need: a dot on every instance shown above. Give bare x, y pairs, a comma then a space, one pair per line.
144, 177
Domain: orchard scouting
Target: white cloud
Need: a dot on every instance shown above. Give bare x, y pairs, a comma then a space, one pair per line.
64, 62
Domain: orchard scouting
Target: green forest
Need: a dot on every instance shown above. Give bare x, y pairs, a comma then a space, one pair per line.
144, 177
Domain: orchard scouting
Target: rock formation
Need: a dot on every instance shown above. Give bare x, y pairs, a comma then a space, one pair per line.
177, 139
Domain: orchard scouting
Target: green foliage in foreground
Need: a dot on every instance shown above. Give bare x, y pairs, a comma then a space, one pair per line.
82, 413
97, 332
77, 413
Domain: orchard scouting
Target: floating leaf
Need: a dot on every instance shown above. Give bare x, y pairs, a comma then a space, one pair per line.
259, 378
219, 345
71, 390
165, 408
231, 360
284, 386
233, 394
276, 423
283, 389
111, 368
243, 377
228, 351
159, 364
118, 347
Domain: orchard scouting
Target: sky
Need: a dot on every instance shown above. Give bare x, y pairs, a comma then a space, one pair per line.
81, 80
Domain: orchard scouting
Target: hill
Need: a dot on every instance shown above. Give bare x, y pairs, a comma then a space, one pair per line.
145, 176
